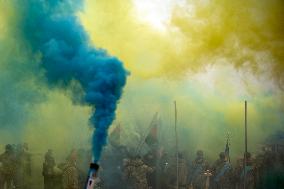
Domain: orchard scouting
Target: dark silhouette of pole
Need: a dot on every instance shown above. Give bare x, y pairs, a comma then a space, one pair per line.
246, 146
177, 158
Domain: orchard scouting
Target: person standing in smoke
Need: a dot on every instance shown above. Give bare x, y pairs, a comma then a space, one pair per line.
247, 173
83, 159
8, 167
70, 176
236, 173
183, 171
136, 171
222, 173
23, 173
150, 160
158, 160
48, 170
197, 170
264, 162
164, 170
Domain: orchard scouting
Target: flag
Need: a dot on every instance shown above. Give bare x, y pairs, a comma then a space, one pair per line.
152, 137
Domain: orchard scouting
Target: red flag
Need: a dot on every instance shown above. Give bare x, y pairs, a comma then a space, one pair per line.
152, 137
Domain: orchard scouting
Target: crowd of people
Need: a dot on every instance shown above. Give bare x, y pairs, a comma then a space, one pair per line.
15, 167
265, 170
121, 168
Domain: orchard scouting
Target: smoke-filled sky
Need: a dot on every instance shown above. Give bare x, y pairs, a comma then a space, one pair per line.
208, 56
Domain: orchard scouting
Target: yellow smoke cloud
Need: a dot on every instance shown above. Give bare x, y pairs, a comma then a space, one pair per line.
114, 26
58, 124
199, 33
238, 31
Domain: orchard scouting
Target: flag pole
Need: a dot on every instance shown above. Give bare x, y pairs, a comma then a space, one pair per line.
140, 145
246, 145
177, 158
227, 149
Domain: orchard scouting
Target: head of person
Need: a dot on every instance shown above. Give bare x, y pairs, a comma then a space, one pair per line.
222, 156
49, 155
199, 154
8, 148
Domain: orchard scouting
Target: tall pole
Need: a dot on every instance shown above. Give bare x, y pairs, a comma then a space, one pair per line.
246, 146
177, 168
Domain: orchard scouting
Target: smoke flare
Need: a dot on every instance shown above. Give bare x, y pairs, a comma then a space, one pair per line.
51, 29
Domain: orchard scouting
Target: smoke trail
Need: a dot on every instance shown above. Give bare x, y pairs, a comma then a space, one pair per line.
51, 29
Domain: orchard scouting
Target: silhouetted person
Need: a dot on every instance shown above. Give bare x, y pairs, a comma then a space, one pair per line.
48, 170
8, 167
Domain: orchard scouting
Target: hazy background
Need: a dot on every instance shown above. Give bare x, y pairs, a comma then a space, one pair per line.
208, 56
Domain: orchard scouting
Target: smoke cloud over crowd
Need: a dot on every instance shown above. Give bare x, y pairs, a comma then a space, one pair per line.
208, 56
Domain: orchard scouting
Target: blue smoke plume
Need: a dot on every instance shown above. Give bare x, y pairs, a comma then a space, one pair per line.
51, 29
